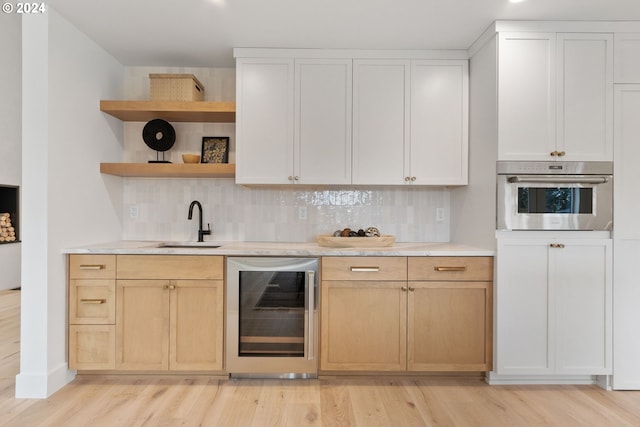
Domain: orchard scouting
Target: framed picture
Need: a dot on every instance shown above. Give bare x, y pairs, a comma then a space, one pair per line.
215, 149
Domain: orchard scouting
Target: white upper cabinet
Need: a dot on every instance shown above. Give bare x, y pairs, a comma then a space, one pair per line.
305, 117
439, 141
380, 121
264, 120
322, 121
410, 122
526, 94
555, 96
293, 121
584, 126
627, 58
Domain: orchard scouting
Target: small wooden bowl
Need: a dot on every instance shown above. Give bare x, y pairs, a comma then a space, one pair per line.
191, 158
355, 242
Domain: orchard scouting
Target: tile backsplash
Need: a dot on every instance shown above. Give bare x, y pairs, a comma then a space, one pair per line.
237, 212
157, 208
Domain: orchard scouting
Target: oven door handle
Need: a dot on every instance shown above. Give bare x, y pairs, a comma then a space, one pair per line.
311, 289
560, 179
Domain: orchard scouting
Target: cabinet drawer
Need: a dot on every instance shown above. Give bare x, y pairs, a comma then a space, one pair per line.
92, 302
450, 268
364, 268
92, 266
92, 347
170, 267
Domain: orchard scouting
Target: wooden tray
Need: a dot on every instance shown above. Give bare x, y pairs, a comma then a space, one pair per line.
355, 242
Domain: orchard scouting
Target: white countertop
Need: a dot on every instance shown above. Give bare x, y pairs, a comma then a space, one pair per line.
232, 248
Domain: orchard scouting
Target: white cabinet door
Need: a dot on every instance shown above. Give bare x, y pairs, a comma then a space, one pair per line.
626, 339
526, 96
626, 369
523, 314
323, 121
626, 171
581, 279
554, 306
438, 152
555, 96
585, 96
264, 120
627, 58
380, 128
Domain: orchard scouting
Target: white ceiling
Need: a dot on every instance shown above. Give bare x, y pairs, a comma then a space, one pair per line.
202, 33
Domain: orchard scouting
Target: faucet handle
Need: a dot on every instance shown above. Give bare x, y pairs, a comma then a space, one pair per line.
208, 230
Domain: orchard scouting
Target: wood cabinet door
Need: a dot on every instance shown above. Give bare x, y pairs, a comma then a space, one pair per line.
584, 71
363, 326
322, 150
526, 96
439, 145
449, 326
381, 102
264, 120
142, 324
196, 327
92, 347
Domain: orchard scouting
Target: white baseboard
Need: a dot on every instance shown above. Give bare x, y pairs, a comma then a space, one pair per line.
495, 379
41, 386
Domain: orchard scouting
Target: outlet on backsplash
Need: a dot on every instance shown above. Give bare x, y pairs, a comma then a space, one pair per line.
302, 213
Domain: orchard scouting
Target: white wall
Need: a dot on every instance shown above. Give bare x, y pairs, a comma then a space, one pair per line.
474, 207
66, 201
10, 133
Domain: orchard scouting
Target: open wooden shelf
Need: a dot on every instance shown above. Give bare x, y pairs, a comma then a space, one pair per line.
170, 170
171, 111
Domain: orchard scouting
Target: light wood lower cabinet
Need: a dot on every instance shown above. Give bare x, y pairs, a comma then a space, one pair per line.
169, 324
424, 314
92, 311
155, 313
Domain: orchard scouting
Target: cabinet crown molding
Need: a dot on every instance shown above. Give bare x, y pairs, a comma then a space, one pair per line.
240, 52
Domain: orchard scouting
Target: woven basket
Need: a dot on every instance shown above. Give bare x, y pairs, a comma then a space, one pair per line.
355, 242
175, 87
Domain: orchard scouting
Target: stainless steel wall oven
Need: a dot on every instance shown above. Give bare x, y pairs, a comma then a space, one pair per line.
554, 195
272, 317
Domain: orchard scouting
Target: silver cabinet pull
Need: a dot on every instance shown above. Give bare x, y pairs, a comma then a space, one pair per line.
92, 266
311, 288
364, 269
559, 179
452, 268
93, 301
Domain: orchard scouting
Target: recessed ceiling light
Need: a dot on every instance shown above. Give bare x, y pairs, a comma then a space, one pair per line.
516, 1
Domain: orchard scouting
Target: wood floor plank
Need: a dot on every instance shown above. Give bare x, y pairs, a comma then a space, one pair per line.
183, 400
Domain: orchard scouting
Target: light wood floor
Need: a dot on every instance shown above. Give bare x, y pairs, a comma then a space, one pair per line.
116, 401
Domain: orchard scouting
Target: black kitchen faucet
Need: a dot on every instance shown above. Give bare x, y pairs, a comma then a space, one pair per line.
201, 232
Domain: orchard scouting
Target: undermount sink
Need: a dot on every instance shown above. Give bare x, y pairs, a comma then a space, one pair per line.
189, 245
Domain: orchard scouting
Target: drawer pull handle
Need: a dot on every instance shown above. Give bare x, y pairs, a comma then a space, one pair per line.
365, 269
557, 245
457, 268
93, 301
92, 266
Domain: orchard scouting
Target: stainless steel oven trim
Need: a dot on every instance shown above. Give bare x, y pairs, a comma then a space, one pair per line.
597, 175
271, 367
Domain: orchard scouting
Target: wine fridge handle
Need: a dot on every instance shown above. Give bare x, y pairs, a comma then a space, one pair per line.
311, 286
